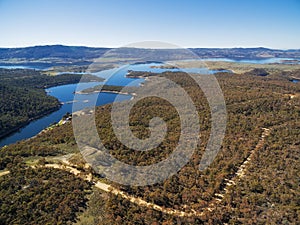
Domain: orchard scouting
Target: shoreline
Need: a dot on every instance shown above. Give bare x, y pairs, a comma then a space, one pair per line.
19, 127
48, 112
104, 91
39, 115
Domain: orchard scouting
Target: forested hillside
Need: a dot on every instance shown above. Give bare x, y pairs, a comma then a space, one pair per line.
61, 53
23, 98
265, 192
52, 52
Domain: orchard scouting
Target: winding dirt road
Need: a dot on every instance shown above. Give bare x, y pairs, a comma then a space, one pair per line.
218, 196
108, 188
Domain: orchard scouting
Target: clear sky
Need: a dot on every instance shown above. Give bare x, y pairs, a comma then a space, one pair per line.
187, 23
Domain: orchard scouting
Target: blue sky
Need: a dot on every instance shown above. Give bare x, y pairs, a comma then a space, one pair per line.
187, 23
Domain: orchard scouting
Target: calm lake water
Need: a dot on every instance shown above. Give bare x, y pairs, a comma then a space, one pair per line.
65, 94
45, 66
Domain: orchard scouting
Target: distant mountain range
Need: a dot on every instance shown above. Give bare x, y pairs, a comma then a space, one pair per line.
249, 53
59, 54
52, 51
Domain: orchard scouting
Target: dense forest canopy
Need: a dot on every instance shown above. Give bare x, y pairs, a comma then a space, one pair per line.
41, 196
268, 193
23, 98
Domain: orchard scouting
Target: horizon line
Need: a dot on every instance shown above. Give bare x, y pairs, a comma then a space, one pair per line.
110, 47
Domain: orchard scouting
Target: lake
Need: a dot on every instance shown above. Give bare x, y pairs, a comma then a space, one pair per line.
45, 66
65, 94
